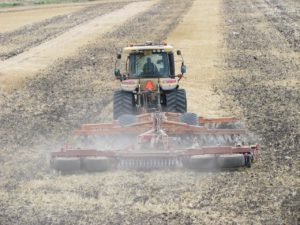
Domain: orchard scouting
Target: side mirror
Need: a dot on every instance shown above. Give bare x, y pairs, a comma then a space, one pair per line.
117, 73
183, 69
178, 52
119, 56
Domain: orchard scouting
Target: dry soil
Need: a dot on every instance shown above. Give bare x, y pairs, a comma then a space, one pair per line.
243, 60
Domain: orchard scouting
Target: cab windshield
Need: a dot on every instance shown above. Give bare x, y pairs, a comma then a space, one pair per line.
149, 65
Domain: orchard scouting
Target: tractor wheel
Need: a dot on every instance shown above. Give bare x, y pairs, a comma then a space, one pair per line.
96, 164
176, 101
189, 118
231, 161
201, 162
126, 119
123, 103
66, 164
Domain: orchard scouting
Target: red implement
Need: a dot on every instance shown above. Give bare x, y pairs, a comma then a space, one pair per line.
156, 140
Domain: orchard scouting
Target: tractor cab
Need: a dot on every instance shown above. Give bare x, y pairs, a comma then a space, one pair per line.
149, 61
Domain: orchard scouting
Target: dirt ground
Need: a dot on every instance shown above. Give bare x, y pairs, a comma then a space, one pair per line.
243, 60
22, 66
200, 38
13, 20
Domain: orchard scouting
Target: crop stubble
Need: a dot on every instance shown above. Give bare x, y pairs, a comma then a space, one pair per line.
72, 92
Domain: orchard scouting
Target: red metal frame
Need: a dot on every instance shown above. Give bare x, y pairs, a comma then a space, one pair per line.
136, 154
153, 126
170, 125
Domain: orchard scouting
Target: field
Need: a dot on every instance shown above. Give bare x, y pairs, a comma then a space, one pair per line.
56, 72
19, 3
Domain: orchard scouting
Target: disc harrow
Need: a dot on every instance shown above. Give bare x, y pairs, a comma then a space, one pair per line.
147, 164
156, 141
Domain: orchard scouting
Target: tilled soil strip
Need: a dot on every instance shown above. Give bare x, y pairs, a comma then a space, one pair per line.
61, 4
264, 86
264, 77
12, 21
37, 58
199, 38
16, 42
285, 16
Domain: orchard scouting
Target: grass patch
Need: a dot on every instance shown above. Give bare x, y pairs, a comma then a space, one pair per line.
9, 4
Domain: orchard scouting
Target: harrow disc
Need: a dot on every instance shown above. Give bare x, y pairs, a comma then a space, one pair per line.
147, 164
208, 140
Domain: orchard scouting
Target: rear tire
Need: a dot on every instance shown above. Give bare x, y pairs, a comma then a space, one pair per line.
123, 103
176, 101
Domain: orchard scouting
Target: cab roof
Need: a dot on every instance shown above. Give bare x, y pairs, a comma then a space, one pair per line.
148, 46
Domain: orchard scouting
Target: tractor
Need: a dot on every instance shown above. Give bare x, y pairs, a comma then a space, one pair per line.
152, 128
150, 82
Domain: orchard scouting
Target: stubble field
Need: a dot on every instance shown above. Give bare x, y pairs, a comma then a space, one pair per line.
243, 59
